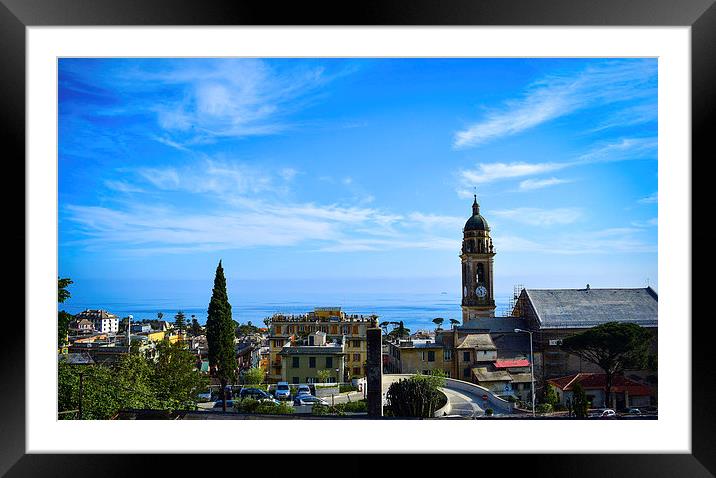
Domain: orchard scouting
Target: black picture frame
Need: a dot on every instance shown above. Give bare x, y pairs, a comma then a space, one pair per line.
16, 15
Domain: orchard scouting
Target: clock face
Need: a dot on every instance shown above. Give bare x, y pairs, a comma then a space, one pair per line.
481, 292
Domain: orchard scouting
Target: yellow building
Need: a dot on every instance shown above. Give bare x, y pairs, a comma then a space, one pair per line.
339, 327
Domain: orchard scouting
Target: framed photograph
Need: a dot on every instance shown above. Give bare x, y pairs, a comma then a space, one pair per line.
428, 228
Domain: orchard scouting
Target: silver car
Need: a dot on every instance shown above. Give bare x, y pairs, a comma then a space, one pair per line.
308, 400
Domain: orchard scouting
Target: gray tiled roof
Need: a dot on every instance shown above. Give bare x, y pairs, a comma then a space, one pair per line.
476, 341
494, 324
582, 308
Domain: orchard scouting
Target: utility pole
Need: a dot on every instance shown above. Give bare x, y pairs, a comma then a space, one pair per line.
532, 368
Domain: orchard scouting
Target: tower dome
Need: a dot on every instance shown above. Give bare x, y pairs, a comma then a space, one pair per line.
476, 222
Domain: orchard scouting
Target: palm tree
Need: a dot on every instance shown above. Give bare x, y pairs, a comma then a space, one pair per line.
439, 322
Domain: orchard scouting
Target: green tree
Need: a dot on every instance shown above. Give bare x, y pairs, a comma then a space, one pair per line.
399, 331
195, 327
63, 318
180, 321
63, 322
62, 293
160, 316
417, 396
439, 322
176, 380
246, 329
254, 376
550, 396
613, 347
220, 333
323, 375
579, 401
454, 322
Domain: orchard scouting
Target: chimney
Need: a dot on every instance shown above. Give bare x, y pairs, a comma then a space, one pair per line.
587, 286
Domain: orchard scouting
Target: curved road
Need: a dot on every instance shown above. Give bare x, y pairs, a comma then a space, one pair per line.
463, 402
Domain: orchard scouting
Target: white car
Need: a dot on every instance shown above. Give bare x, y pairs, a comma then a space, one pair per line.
308, 400
303, 390
608, 413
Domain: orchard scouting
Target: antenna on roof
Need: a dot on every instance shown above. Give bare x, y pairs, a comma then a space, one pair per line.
647, 282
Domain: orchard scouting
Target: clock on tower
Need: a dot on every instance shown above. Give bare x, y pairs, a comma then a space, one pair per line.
477, 259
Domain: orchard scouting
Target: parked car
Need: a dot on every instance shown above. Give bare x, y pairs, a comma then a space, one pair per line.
256, 394
308, 400
608, 413
205, 396
283, 391
219, 404
633, 411
303, 389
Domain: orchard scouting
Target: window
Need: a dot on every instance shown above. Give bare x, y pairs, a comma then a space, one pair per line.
311, 362
294, 380
356, 344
329, 362
447, 354
431, 356
355, 331
466, 356
278, 329
466, 372
555, 342
356, 370
295, 362
356, 357
334, 329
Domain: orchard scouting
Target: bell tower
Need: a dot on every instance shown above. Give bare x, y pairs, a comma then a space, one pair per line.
477, 259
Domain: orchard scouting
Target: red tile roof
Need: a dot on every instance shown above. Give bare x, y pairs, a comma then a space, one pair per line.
597, 381
512, 363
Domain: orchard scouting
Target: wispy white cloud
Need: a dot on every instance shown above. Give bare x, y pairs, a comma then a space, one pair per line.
624, 149
647, 223
122, 186
560, 95
489, 172
652, 198
532, 184
605, 241
541, 217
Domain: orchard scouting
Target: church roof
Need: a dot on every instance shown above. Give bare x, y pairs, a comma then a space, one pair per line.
584, 308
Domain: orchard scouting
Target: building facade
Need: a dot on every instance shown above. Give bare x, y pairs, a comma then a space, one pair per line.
102, 321
347, 330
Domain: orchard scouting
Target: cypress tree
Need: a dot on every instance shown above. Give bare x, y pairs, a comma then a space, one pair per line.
220, 333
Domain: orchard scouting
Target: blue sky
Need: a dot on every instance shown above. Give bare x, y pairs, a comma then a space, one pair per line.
341, 171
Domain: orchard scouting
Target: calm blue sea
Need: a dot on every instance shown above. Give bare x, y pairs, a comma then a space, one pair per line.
253, 302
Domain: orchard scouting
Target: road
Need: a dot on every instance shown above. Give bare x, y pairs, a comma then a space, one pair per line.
464, 403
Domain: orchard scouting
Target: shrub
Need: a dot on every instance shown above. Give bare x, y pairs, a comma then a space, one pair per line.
347, 387
511, 399
355, 407
247, 405
544, 408
270, 408
489, 412
320, 409
417, 396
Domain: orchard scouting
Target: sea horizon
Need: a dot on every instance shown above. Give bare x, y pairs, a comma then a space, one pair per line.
416, 309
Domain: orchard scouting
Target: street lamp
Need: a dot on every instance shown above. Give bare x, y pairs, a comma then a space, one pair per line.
532, 368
